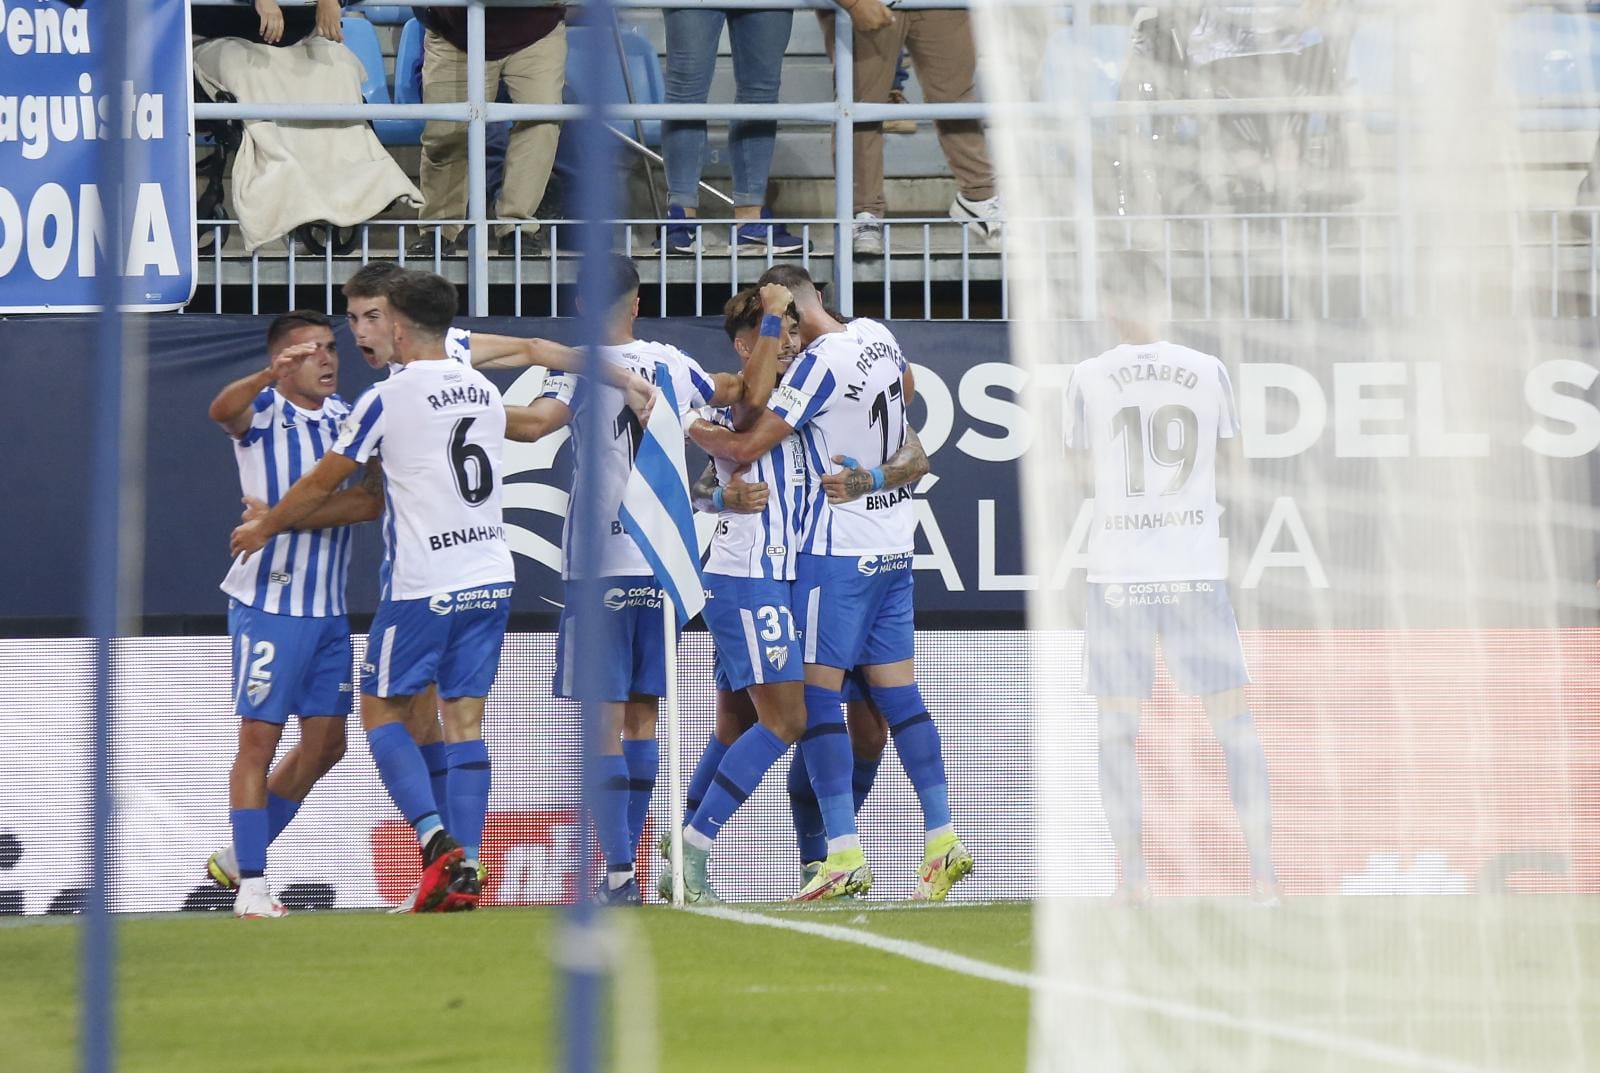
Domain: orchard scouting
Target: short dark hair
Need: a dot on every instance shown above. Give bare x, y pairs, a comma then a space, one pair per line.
792, 276
372, 280
284, 323
622, 279
742, 312
426, 300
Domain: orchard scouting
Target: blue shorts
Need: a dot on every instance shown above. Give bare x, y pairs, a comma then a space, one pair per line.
452, 639
856, 611
287, 665
1194, 619
755, 631
633, 643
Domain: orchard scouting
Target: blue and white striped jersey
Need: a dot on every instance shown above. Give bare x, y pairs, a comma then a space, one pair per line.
299, 572
760, 545
618, 556
844, 396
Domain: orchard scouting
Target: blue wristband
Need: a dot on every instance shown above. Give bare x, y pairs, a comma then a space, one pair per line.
716, 501
877, 478
771, 326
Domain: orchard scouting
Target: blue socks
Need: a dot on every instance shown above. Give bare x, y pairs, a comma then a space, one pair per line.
740, 772
280, 810
644, 762
433, 755
916, 739
809, 831
1120, 791
249, 840
611, 814
468, 793
704, 771
405, 776
826, 745
862, 776
1250, 790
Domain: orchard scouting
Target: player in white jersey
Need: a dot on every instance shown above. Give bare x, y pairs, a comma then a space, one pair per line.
286, 602
1152, 413
634, 668
366, 295
440, 429
747, 594
846, 397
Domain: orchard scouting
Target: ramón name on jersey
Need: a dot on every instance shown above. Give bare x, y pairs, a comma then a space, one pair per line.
298, 572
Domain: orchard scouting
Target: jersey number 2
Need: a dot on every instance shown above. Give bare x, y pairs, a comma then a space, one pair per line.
470, 464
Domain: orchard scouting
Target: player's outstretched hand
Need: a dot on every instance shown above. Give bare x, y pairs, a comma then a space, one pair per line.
271, 16
742, 496
776, 299
330, 20
287, 360
848, 484
640, 395
253, 509
247, 538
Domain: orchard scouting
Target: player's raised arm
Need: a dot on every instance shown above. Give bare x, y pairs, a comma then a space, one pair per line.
535, 421
308, 493
747, 392
741, 448
237, 404
906, 466
511, 352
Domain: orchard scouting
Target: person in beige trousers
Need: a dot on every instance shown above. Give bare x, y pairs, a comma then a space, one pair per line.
945, 59
524, 48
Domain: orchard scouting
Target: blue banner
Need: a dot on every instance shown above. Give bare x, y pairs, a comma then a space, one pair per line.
56, 99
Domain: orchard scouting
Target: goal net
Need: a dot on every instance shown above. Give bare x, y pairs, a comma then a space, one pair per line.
1366, 212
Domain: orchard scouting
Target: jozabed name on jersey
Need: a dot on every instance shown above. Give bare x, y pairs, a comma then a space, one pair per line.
1145, 366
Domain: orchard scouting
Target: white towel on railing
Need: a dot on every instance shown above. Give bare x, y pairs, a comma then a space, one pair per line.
288, 174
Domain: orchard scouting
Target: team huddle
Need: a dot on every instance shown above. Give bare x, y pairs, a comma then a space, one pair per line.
808, 582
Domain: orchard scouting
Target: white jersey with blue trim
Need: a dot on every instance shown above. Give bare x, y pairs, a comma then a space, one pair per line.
439, 429
760, 545
299, 572
457, 347
1152, 414
845, 395
618, 555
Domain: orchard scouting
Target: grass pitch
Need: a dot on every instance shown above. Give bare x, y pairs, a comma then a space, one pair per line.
1447, 983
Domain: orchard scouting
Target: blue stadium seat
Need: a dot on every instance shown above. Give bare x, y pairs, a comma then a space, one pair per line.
362, 39
408, 65
644, 68
1552, 54
386, 14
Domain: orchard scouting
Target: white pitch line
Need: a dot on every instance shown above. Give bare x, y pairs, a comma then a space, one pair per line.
1366, 1050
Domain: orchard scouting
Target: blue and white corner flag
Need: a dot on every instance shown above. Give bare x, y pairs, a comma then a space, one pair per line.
656, 509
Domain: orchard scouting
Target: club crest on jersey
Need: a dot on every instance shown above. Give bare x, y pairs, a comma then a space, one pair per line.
1115, 596
258, 687
867, 565
441, 604
777, 655
615, 599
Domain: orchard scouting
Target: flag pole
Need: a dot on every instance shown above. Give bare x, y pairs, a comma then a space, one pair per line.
669, 626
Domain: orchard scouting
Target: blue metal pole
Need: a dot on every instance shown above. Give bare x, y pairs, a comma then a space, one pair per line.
583, 946
97, 1031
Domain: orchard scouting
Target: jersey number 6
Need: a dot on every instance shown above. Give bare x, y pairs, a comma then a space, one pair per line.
470, 464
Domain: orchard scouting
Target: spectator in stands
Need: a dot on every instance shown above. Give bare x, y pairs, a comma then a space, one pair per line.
941, 47
268, 24
758, 39
526, 49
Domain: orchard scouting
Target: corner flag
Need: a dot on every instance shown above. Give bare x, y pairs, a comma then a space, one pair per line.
656, 510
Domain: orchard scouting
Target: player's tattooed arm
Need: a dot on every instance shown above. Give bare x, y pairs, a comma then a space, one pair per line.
361, 502
740, 447
533, 422
906, 466
307, 494
234, 406
738, 496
